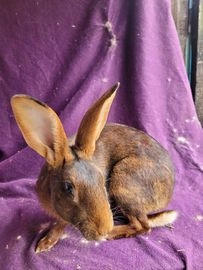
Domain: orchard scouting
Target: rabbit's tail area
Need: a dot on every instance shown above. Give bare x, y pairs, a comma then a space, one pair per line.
162, 218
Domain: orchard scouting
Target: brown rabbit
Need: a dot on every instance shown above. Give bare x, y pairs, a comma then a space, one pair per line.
101, 163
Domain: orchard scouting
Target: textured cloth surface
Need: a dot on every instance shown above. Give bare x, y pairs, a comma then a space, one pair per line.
67, 53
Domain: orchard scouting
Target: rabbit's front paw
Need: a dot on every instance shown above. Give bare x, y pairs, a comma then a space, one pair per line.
51, 238
45, 244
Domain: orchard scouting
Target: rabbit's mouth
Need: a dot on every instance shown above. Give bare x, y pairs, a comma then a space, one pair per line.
91, 232
93, 235
88, 229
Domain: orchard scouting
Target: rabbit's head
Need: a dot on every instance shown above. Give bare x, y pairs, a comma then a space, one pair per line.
76, 188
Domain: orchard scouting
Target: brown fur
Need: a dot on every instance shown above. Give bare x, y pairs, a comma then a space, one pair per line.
112, 162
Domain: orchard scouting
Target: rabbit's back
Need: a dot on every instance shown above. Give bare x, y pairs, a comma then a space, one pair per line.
119, 141
135, 166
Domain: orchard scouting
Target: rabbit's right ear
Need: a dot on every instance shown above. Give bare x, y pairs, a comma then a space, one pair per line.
93, 123
41, 129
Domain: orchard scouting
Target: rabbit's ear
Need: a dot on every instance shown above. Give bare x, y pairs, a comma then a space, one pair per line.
93, 122
41, 129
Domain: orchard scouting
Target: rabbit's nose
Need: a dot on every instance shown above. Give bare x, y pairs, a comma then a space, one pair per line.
104, 231
102, 234
102, 238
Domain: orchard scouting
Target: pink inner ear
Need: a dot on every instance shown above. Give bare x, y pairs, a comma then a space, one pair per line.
40, 126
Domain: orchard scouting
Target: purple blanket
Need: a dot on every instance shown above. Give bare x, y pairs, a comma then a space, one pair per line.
67, 53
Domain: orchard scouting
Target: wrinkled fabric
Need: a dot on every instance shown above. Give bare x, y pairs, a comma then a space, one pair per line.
67, 53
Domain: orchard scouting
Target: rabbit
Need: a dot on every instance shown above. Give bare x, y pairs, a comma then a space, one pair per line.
101, 163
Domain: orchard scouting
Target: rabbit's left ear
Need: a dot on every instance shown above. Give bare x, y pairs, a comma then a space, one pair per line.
93, 123
41, 129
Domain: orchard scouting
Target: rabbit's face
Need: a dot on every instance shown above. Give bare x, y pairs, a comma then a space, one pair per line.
79, 196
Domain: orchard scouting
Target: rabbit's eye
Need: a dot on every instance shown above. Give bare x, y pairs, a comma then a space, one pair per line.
68, 187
